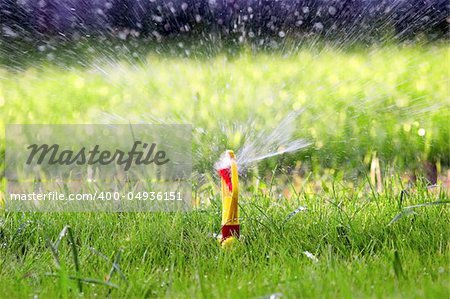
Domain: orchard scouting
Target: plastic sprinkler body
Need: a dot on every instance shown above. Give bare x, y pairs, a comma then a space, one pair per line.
228, 172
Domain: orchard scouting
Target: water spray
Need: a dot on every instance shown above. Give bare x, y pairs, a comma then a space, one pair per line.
228, 171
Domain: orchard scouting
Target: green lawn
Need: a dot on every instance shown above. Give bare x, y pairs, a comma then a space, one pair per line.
391, 102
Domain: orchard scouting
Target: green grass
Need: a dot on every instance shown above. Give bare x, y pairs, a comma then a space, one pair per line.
356, 103
174, 255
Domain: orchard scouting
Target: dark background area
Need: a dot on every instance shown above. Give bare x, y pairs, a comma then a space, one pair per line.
237, 20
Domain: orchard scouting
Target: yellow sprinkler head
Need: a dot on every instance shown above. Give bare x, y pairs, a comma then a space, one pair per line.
228, 171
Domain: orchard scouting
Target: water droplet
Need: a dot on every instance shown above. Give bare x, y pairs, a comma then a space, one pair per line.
421, 132
50, 56
7, 31
318, 26
332, 10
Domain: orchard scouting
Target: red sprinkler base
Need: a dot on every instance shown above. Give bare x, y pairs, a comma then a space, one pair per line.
231, 230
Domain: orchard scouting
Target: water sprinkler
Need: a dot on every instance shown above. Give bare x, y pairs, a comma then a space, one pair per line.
228, 172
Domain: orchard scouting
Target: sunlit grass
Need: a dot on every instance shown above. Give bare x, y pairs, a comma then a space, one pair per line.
391, 100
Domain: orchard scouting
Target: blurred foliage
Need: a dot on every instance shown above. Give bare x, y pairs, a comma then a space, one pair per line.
391, 100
